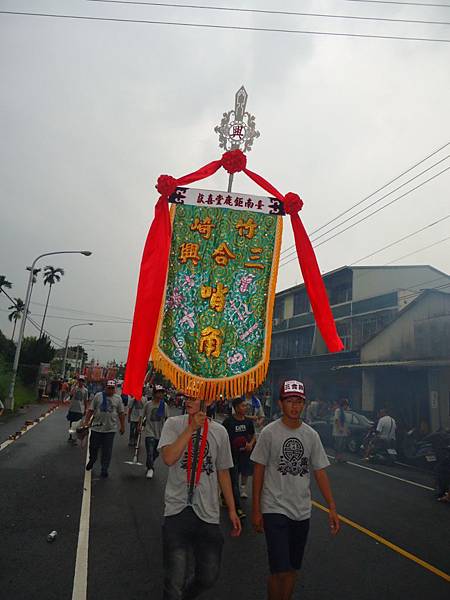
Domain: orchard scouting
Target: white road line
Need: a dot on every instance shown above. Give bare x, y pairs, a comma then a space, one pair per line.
8, 442
80, 578
425, 487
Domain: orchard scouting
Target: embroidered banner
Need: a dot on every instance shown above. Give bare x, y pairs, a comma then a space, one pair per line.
215, 324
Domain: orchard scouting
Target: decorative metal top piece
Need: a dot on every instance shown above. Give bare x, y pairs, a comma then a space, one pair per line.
237, 129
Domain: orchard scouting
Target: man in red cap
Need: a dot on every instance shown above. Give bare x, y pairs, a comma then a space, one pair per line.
286, 453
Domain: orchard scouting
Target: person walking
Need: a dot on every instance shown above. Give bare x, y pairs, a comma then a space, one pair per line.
107, 412
286, 453
135, 412
78, 405
155, 414
191, 524
386, 428
241, 432
63, 391
340, 430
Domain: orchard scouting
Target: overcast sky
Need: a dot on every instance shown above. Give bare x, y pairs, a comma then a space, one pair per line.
91, 113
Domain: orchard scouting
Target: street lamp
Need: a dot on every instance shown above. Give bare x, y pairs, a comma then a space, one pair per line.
25, 312
67, 345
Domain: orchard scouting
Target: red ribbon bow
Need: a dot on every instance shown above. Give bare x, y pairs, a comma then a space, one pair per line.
234, 161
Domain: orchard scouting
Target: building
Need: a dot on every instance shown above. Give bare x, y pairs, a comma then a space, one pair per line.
364, 301
406, 366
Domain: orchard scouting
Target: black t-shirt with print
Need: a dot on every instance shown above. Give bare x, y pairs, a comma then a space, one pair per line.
239, 431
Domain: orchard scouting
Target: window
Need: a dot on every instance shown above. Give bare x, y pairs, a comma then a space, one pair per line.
278, 311
301, 302
279, 349
340, 293
300, 342
345, 333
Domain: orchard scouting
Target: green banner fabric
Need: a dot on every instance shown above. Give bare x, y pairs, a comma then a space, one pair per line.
216, 320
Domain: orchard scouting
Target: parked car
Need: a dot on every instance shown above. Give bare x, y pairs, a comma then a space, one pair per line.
359, 426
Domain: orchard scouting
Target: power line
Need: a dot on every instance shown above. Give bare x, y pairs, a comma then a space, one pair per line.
419, 250
83, 312
372, 213
400, 3
383, 207
84, 320
372, 194
382, 197
227, 27
268, 12
371, 204
399, 240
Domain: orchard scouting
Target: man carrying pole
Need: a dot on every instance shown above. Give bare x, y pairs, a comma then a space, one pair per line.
191, 524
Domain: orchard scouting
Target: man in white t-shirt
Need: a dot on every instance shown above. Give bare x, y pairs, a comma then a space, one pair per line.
191, 524
386, 427
286, 453
108, 414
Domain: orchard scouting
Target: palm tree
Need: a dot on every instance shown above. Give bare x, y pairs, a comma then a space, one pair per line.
17, 309
4, 283
51, 276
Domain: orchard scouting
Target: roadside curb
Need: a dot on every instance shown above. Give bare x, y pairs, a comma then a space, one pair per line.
29, 424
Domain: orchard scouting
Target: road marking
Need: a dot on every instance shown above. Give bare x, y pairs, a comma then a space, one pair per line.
389, 544
420, 485
27, 428
80, 577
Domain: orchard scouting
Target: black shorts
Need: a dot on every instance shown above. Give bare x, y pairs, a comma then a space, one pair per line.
73, 416
286, 541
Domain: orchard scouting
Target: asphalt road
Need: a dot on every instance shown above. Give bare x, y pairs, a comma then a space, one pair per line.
41, 490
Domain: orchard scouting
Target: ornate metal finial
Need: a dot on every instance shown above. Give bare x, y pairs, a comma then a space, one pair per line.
237, 129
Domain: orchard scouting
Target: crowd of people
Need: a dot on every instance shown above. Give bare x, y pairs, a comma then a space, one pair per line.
208, 460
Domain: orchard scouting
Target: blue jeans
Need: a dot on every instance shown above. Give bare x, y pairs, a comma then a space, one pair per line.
151, 445
133, 433
186, 536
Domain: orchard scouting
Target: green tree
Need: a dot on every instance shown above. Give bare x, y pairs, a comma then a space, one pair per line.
51, 276
7, 348
16, 313
34, 351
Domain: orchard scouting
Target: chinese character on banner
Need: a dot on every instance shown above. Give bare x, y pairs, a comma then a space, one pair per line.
189, 251
222, 255
246, 229
211, 341
204, 227
216, 295
238, 132
255, 256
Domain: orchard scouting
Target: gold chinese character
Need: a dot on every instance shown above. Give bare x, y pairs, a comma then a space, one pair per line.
204, 227
223, 254
189, 251
246, 229
217, 295
211, 341
255, 255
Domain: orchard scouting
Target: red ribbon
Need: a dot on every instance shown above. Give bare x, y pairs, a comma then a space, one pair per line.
201, 455
152, 278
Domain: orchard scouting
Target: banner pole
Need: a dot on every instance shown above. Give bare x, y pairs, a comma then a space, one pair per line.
198, 434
